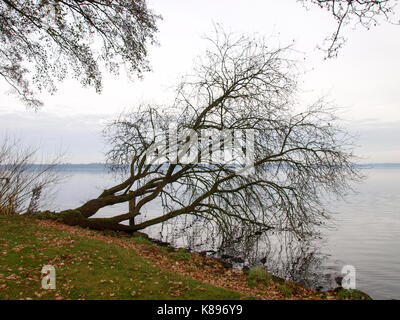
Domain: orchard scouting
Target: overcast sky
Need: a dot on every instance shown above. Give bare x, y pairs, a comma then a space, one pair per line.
363, 81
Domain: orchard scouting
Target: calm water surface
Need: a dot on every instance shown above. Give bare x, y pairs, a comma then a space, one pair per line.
366, 232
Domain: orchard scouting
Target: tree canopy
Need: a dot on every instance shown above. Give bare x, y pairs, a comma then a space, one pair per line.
44, 40
366, 13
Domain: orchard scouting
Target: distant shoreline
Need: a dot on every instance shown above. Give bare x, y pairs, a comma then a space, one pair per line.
104, 167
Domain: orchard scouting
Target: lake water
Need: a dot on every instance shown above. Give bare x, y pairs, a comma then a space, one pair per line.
366, 233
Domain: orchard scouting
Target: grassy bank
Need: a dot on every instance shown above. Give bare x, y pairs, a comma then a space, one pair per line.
93, 265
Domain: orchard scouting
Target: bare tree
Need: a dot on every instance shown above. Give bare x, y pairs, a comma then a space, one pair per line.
41, 40
23, 184
240, 155
366, 13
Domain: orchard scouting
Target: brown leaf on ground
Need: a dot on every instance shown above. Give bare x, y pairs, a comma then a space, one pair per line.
203, 269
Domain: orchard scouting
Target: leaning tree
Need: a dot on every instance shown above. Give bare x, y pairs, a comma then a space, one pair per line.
230, 151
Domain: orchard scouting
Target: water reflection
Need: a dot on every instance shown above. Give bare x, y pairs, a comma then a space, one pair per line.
283, 255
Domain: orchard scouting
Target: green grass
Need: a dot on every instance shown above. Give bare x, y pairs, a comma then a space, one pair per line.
141, 240
86, 268
181, 254
352, 294
286, 289
258, 276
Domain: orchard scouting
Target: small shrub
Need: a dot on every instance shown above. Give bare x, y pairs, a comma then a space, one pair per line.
46, 215
258, 276
141, 240
286, 290
352, 294
7, 210
23, 184
181, 254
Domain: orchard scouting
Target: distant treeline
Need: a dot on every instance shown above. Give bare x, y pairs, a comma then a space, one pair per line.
106, 167
62, 167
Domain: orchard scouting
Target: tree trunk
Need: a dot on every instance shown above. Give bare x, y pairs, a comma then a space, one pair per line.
132, 205
91, 207
76, 218
81, 216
